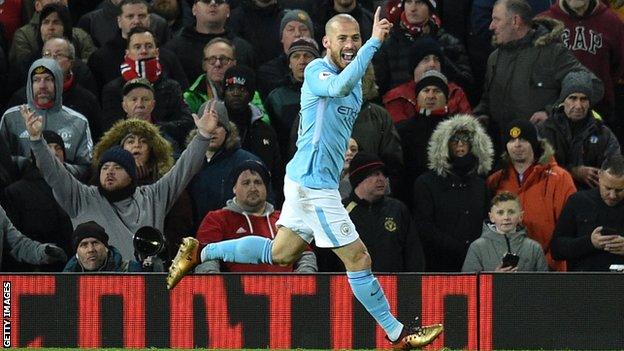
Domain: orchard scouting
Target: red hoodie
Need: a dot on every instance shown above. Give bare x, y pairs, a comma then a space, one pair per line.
597, 41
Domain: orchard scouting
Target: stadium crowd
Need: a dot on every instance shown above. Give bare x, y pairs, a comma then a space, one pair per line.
488, 139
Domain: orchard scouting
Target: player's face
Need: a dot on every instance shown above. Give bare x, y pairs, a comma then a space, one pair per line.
139, 148
506, 216
576, 106
91, 253
343, 42
298, 62
611, 188
250, 190
114, 177
139, 103
43, 88
431, 98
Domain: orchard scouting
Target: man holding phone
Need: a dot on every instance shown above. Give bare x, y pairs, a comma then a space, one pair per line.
589, 233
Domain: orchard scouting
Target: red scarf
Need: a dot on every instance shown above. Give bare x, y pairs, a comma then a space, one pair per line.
149, 69
68, 81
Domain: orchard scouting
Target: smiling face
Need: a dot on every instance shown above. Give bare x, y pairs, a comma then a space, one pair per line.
91, 253
342, 41
506, 215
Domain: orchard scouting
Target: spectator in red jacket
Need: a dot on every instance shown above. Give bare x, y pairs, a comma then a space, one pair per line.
248, 213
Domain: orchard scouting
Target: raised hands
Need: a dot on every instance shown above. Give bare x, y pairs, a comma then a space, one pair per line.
33, 122
208, 122
382, 27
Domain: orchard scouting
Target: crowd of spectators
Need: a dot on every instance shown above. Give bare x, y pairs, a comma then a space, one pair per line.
488, 139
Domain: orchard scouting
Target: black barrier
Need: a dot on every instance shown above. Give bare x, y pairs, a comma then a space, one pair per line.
278, 311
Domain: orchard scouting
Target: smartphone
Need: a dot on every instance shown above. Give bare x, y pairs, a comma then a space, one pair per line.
510, 260
609, 231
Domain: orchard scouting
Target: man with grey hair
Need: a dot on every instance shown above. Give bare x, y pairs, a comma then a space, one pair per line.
581, 139
524, 73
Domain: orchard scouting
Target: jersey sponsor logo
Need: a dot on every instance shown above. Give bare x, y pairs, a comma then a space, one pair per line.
347, 111
324, 75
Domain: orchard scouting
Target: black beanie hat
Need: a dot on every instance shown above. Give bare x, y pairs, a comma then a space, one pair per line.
251, 165
121, 157
53, 138
363, 165
434, 78
523, 129
89, 230
420, 49
241, 75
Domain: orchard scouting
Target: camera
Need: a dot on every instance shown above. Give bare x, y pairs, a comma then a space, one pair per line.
510, 260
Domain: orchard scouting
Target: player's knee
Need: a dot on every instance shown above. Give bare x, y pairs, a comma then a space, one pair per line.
282, 258
360, 260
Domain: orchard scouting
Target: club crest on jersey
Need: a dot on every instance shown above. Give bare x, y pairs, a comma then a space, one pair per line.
345, 229
390, 224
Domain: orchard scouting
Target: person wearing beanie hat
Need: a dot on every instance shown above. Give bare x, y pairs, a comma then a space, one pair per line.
304, 45
89, 230
253, 166
331, 98
383, 223
115, 200
531, 172
581, 139
427, 95
93, 253
288, 24
56, 144
242, 76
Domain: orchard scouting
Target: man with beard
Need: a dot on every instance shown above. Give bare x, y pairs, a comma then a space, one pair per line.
532, 173
44, 90
331, 97
143, 61
116, 201
248, 213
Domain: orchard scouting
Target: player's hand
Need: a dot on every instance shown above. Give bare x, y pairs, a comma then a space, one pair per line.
585, 174
33, 122
382, 27
208, 122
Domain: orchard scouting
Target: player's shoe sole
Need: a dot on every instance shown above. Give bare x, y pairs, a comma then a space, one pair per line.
417, 337
186, 258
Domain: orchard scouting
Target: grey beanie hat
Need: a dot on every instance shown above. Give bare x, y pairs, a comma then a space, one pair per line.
299, 16
582, 82
218, 106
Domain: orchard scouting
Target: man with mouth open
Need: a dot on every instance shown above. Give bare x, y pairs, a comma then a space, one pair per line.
331, 97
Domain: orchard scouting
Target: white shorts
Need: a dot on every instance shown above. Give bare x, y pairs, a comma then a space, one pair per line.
316, 214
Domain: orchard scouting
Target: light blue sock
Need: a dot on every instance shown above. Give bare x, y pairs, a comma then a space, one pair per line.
368, 291
248, 249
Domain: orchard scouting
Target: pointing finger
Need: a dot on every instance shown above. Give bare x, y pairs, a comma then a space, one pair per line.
377, 12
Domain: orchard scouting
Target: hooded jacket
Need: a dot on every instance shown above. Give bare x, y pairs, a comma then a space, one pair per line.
486, 253
543, 193
72, 126
449, 207
233, 222
592, 144
596, 39
524, 76
147, 206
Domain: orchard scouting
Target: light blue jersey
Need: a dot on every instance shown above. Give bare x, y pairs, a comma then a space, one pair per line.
330, 103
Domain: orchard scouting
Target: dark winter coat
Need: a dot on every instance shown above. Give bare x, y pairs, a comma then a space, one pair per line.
449, 208
114, 263
260, 27
582, 213
189, 45
283, 106
273, 74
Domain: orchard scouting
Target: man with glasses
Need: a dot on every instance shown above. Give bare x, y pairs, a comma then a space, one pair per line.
75, 95
219, 55
210, 18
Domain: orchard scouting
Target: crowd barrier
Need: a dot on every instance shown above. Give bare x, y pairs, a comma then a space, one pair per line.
280, 311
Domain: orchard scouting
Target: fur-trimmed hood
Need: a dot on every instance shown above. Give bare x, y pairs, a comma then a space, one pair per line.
161, 150
547, 30
481, 146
